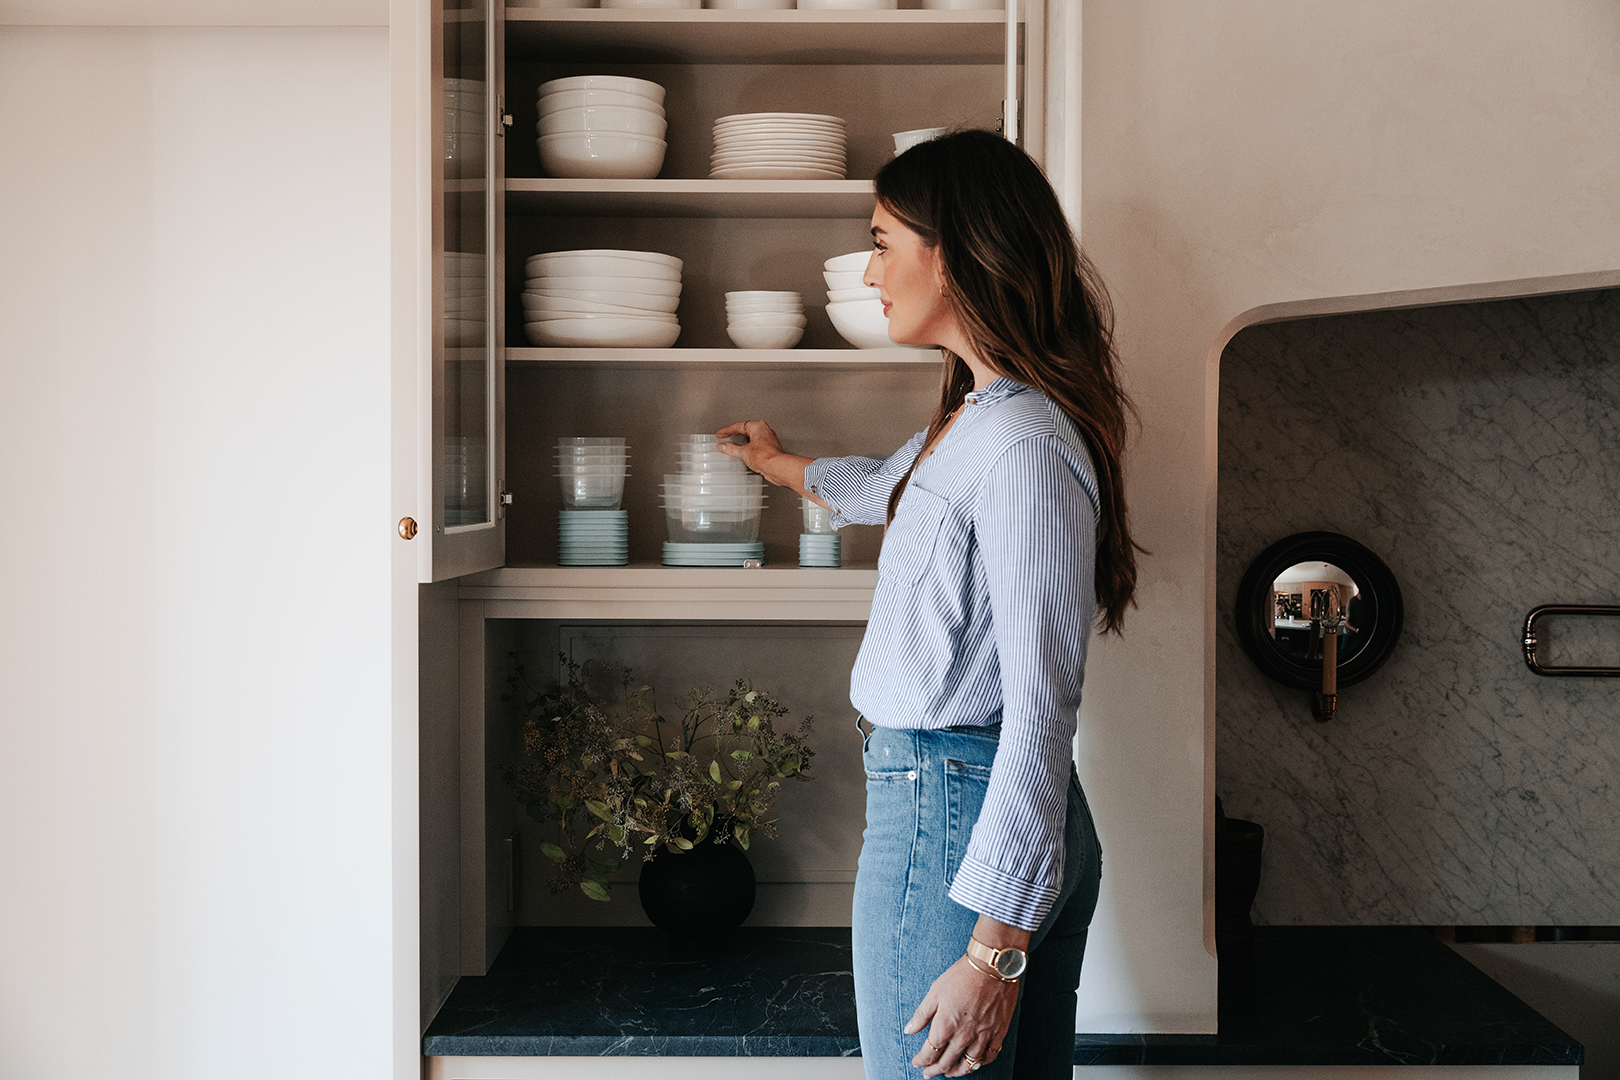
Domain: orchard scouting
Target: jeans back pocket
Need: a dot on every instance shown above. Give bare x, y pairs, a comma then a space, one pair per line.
965, 786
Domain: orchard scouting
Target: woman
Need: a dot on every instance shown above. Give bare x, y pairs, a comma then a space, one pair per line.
1007, 538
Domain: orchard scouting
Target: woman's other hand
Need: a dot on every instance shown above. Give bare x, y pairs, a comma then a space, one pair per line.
967, 1014
763, 454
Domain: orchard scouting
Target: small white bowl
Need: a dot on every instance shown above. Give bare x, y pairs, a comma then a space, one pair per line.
760, 307
582, 267
764, 294
774, 318
862, 293
581, 99
622, 84
600, 155
541, 281
602, 333
861, 323
845, 279
609, 118
855, 260
637, 301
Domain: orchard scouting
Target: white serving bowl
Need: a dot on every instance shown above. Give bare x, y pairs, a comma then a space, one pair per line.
602, 333
622, 84
774, 318
584, 99
665, 263
764, 294
855, 260
862, 293
580, 267
540, 280
542, 306
845, 279
649, 317
765, 337
601, 155
609, 118
637, 300
861, 323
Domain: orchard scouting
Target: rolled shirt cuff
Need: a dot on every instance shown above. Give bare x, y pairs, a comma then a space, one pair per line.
988, 891
815, 484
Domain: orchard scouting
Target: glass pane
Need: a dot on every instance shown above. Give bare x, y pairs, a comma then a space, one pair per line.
467, 372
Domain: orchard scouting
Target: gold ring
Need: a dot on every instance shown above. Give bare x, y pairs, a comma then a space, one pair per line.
972, 1061
931, 1046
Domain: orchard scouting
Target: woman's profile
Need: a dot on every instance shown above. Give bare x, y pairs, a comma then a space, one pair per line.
1007, 542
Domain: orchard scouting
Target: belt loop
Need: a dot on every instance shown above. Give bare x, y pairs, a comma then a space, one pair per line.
865, 727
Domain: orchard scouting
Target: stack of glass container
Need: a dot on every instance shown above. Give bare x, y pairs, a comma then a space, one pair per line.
713, 506
591, 529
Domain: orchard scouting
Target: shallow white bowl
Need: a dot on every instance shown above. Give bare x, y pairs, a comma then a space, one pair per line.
602, 333
861, 323
845, 279
862, 293
609, 118
665, 263
855, 260
541, 281
601, 155
637, 300
688, 4
764, 337
750, 5
774, 318
656, 317
549, 306
622, 84
749, 312
580, 268
581, 99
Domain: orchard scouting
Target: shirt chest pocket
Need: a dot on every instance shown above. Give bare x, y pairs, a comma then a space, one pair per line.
908, 546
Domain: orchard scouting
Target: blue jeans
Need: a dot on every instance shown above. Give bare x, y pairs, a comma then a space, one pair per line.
924, 790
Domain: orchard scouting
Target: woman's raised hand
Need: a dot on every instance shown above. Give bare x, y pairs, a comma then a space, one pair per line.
763, 453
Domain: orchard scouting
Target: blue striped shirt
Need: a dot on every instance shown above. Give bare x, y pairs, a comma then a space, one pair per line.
984, 606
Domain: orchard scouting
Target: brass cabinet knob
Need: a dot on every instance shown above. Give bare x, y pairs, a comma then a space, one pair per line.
407, 528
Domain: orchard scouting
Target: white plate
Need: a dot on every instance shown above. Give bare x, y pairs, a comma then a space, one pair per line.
779, 161
734, 117
766, 173
602, 333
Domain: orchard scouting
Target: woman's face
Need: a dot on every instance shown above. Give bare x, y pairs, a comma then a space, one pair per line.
908, 273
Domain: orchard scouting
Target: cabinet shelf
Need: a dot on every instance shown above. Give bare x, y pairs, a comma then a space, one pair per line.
758, 37
768, 594
689, 198
851, 358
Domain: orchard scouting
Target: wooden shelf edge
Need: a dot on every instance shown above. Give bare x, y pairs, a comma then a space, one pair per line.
790, 17
762, 357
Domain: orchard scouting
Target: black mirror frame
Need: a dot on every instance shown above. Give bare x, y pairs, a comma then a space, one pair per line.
1380, 595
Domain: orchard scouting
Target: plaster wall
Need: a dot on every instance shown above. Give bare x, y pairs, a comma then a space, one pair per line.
196, 745
1246, 160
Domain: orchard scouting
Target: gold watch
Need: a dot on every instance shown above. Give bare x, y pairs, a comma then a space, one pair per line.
1004, 964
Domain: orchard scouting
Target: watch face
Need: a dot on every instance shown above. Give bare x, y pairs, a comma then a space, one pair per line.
1011, 963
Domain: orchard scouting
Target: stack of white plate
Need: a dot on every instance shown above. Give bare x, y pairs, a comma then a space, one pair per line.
602, 297
466, 498
601, 127
713, 506
466, 126
592, 530
778, 146
856, 311
466, 299
760, 319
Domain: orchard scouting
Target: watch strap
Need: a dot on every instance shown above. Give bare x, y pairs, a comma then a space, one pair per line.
978, 950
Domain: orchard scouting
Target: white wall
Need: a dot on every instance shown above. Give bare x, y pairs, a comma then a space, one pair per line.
1292, 158
195, 740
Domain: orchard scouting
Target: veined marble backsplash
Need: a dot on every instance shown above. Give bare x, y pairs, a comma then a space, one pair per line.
1476, 449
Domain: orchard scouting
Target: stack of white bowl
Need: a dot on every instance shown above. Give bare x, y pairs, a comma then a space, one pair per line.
713, 506
466, 299
602, 298
760, 319
848, 5
856, 311
601, 127
466, 126
591, 529
778, 146
466, 471
819, 545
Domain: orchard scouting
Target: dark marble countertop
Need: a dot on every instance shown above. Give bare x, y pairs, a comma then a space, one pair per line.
1302, 996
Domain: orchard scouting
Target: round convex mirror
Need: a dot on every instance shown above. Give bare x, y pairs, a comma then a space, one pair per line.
1302, 580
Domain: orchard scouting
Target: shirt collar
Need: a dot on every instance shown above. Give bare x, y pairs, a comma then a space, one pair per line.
998, 389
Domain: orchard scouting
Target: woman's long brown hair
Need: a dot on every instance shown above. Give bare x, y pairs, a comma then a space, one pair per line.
1031, 304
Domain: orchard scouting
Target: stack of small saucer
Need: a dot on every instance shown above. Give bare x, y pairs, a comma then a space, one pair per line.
713, 506
592, 530
778, 146
760, 319
818, 544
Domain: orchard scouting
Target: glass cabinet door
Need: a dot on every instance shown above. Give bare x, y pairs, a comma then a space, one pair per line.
468, 452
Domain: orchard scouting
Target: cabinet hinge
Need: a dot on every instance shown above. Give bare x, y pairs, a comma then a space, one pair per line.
506, 498
506, 117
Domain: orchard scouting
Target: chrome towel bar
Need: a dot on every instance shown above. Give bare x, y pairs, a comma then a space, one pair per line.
1546, 610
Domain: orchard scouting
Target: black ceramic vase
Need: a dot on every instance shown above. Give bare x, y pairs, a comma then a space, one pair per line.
698, 895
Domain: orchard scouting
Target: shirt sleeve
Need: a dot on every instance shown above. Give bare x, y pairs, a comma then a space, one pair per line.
857, 488
1036, 525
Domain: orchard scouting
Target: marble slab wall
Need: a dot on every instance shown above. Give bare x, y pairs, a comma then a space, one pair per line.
1476, 449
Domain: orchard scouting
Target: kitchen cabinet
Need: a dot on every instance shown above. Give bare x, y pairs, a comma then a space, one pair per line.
883, 72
